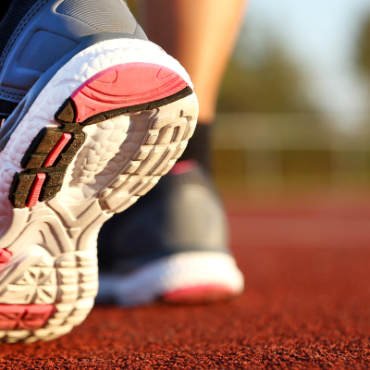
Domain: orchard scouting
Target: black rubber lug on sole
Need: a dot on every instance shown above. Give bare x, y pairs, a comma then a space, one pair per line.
48, 138
22, 184
64, 114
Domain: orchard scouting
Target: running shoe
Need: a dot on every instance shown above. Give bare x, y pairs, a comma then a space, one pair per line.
171, 245
97, 115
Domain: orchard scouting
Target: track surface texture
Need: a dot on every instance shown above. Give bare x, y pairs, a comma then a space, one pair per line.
306, 305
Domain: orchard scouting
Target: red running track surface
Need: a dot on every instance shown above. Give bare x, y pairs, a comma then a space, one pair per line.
306, 305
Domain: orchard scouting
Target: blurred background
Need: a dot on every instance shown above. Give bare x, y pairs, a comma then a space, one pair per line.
291, 141
293, 110
293, 113
291, 153
291, 157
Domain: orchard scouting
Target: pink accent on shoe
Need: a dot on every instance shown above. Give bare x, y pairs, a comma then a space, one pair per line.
199, 294
33, 198
54, 154
183, 167
5, 257
125, 85
28, 317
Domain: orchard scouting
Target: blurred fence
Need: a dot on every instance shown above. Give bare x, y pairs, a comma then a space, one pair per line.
278, 152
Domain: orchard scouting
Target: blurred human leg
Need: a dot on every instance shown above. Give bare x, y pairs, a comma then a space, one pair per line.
200, 34
183, 256
85, 99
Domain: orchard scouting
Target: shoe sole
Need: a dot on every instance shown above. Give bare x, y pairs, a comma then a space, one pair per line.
183, 278
105, 128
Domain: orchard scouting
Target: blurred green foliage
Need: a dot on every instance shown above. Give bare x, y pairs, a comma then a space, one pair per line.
289, 151
273, 83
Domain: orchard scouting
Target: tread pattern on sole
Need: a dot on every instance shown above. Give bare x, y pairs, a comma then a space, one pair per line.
161, 146
20, 317
67, 278
47, 299
71, 279
52, 150
56, 148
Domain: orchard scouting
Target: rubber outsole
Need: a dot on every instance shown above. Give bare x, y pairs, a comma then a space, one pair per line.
5, 257
57, 147
199, 294
48, 255
24, 317
186, 277
125, 86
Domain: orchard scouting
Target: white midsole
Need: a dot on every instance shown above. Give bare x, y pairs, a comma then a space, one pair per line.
71, 76
168, 274
54, 243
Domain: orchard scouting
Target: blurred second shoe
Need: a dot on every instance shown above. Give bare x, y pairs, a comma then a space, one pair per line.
171, 245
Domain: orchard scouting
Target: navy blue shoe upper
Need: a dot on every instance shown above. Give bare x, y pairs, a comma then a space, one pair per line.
182, 213
37, 37
36, 34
